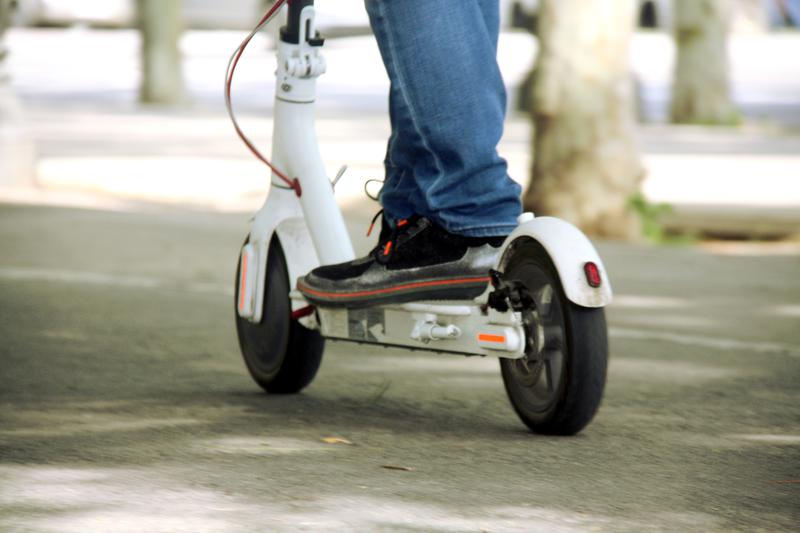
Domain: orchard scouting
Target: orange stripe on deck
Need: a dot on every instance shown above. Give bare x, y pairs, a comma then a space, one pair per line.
417, 285
485, 337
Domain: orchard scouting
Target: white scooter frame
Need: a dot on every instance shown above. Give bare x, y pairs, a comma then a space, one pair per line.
311, 231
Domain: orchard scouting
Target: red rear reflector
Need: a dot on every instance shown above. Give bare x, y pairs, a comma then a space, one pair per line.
592, 274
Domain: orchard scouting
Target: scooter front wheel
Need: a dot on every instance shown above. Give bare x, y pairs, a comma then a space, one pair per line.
281, 355
557, 387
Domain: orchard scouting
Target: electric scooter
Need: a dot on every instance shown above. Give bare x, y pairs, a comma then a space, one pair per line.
541, 314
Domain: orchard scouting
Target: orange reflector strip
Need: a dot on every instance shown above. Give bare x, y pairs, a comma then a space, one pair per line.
485, 337
243, 282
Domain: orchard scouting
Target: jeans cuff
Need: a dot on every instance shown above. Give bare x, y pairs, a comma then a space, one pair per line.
484, 231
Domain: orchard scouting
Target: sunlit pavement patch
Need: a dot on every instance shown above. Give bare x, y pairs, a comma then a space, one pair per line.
262, 446
638, 301
120, 500
365, 513
74, 277
471, 382
125, 500
63, 335
189, 179
701, 341
788, 311
54, 424
793, 440
730, 441
751, 249
662, 320
667, 371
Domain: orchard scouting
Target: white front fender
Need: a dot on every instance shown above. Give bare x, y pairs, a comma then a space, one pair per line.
295, 240
569, 250
298, 249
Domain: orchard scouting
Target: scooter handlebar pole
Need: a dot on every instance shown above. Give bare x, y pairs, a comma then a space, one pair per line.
294, 140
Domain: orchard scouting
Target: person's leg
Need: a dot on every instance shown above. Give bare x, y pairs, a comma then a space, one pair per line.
793, 11
491, 17
400, 196
447, 105
447, 192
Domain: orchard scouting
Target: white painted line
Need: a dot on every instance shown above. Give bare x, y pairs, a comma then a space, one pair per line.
109, 280
706, 342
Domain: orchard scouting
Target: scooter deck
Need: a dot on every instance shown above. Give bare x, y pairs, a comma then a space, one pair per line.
455, 327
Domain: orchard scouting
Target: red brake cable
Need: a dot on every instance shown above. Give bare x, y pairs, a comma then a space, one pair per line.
293, 184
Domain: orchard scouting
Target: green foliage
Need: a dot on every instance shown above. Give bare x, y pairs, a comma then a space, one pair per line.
733, 118
651, 216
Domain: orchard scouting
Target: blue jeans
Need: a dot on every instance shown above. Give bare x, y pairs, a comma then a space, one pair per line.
447, 105
779, 18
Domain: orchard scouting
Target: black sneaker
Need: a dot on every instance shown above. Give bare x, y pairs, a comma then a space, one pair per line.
417, 260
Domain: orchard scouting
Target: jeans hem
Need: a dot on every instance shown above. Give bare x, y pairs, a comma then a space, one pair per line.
484, 231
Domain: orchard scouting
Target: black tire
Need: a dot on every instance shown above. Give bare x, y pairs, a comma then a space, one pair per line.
557, 388
282, 356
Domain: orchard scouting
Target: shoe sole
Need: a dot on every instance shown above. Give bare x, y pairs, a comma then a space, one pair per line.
442, 289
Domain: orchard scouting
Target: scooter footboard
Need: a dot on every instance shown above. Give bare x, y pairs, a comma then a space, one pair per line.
446, 328
572, 255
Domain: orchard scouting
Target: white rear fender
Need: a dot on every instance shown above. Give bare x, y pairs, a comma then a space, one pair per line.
570, 251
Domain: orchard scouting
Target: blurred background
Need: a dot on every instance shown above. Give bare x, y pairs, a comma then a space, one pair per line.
92, 107
669, 130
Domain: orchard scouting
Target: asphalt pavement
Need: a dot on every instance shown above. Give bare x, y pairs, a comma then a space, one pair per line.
125, 406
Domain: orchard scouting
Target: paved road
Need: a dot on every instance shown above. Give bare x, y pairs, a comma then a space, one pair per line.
124, 405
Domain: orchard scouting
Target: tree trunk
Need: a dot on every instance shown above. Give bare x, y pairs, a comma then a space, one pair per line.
161, 26
700, 94
17, 156
586, 163
5, 21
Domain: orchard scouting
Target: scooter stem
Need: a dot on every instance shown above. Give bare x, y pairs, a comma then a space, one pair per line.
295, 145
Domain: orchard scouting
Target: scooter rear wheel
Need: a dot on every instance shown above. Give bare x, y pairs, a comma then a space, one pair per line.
557, 387
281, 355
